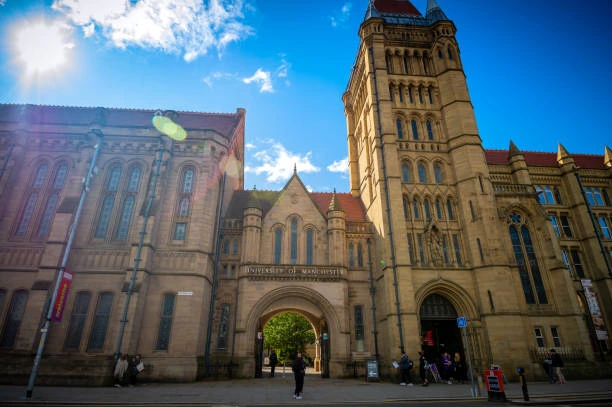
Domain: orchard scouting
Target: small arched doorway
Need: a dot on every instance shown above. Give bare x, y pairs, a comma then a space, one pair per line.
439, 331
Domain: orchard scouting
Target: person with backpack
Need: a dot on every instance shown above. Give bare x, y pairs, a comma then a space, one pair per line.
273, 362
405, 366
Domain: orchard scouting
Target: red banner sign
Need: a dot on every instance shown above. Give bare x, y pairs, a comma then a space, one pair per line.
494, 380
62, 294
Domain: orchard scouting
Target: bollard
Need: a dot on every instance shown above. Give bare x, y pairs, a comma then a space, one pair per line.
521, 373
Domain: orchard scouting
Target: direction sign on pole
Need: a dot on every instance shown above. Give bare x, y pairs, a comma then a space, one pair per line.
461, 322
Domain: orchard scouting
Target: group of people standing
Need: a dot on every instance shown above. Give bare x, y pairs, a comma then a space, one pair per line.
553, 364
450, 369
126, 372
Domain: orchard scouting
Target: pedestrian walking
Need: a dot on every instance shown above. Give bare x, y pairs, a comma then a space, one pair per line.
136, 368
299, 371
422, 369
273, 362
548, 367
405, 366
120, 372
557, 364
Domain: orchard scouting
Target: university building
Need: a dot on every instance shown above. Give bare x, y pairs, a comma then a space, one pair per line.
170, 256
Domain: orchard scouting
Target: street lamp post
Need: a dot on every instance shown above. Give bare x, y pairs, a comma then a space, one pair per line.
45, 329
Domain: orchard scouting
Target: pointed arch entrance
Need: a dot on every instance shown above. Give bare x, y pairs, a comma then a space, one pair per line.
333, 339
439, 329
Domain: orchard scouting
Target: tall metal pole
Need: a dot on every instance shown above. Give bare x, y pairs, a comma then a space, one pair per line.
388, 208
213, 290
45, 329
469, 360
143, 232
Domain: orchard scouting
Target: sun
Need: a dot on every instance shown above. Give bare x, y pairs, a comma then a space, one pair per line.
41, 48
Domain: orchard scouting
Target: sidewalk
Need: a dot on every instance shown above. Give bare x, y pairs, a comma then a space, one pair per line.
280, 389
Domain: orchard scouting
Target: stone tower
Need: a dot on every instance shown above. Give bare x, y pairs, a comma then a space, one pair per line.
417, 162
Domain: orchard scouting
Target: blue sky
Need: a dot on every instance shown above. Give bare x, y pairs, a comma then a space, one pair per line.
538, 71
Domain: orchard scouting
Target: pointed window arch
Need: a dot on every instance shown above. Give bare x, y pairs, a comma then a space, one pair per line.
415, 130
108, 203
438, 173
450, 53
309, 246
526, 260
278, 245
422, 173
405, 172
439, 212
400, 128
430, 135
415, 208
183, 208
58, 183
294, 241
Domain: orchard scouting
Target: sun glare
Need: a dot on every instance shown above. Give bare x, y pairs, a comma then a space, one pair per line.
41, 48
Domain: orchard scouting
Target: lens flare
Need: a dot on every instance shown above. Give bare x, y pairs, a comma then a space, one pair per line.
166, 126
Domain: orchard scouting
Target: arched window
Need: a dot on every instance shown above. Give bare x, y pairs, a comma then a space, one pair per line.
226, 246
294, 241
400, 128
410, 97
77, 320
309, 246
430, 135
420, 90
108, 203
427, 209
438, 208
449, 209
400, 91
405, 172
50, 206
439, 54
415, 208
126, 217
406, 68
438, 173
351, 252
134, 182
105, 216
13, 318
422, 173
30, 205
430, 95
526, 260
450, 53
278, 245
165, 322
184, 204
415, 130
389, 62
100, 323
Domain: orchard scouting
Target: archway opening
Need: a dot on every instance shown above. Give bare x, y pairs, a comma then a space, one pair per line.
288, 333
439, 331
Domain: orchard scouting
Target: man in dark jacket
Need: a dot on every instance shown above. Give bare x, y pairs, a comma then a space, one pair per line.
273, 362
405, 366
557, 364
299, 370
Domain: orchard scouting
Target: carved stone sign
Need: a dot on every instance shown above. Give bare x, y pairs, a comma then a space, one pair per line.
292, 271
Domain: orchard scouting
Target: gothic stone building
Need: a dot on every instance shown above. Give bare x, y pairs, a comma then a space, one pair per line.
171, 256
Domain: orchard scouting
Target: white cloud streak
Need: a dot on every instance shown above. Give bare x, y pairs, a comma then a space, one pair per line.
263, 79
187, 27
277, 163
341, 16
339, 166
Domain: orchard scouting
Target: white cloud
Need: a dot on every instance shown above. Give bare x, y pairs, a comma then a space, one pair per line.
89, 30
277, 163
187, 27
342, 16
339, 166
217, 76
2, 2
262, 78
249, 146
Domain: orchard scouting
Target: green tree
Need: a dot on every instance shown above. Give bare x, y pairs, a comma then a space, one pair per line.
288, 333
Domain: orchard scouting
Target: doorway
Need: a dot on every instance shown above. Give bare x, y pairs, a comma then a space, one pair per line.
439, 331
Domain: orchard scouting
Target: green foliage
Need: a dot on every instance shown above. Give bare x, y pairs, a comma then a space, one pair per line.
288, 333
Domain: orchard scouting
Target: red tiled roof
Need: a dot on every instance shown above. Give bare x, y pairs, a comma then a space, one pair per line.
224, 123
352, 207
543, 159
396, 7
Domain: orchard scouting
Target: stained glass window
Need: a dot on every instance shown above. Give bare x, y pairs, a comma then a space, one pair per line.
359, 329
26, 217
278, 245
222, 334
45, 223
105, 216
113, 179
77, 320
294, 241
165, 322
126, 218
134, 182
